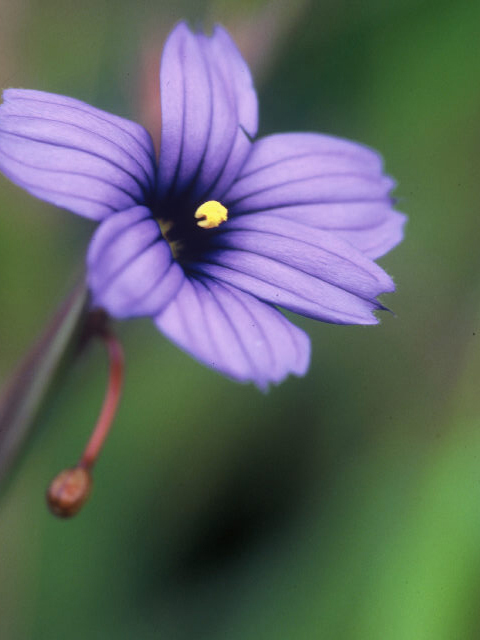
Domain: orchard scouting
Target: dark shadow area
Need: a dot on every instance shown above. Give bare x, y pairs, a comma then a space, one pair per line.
247, 516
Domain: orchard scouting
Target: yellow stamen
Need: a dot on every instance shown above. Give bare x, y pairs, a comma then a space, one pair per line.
165, 226
212, 214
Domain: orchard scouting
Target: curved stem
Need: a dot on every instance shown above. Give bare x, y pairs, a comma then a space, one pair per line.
70, 489
110, 403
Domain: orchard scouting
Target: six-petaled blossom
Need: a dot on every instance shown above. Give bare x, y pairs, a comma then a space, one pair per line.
223, 228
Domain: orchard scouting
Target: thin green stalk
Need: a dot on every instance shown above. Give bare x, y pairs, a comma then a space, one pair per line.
28, 387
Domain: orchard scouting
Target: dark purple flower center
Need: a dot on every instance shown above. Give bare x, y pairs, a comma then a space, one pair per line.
188, 227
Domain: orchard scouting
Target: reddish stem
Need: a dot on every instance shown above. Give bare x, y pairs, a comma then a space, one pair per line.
110, 403
70, 489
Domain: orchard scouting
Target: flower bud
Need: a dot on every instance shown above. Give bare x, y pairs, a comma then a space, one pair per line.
69, 491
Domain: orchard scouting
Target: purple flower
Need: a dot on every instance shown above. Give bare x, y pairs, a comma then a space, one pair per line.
222, 229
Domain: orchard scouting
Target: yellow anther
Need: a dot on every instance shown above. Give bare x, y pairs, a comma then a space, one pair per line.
211, 214
165, 226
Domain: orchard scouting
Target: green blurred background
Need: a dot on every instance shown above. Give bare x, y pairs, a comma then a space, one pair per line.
342, 505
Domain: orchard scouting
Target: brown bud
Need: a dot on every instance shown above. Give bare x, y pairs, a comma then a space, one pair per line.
69, 491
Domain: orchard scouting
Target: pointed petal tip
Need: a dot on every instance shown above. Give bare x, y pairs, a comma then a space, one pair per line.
381, 307
181, 31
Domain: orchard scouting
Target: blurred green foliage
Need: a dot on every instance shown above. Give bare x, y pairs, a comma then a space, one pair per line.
342, 506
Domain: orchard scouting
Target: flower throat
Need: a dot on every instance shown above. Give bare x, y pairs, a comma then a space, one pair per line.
183, 234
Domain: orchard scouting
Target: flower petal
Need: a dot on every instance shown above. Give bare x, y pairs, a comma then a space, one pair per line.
376, 240
234, 333
309, 271
131, 271
73, 155
315, 251
321, 181
209, 108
